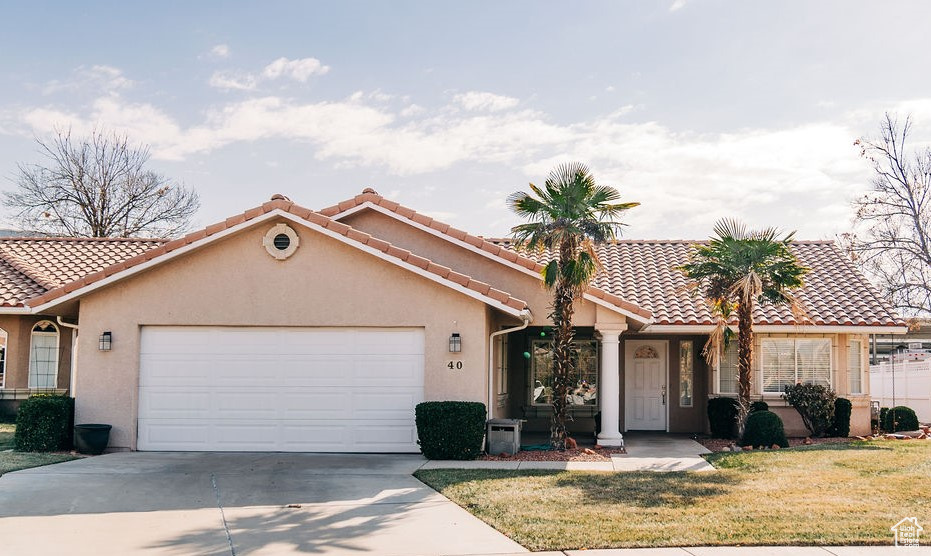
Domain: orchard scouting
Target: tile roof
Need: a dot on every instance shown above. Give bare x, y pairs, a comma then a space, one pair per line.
369, 195
279, 202
643, 271
31, 266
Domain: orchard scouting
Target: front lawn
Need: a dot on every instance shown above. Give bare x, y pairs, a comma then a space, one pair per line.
14, 461
819, 495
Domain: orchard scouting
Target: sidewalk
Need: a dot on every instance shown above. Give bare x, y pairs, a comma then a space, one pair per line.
741, 551
645, 452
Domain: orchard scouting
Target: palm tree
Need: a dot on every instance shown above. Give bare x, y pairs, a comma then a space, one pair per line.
567, 217
734, 271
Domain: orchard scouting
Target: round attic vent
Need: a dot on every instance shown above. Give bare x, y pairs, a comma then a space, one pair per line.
281, 241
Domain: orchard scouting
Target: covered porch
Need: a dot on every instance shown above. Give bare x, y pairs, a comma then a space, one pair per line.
622, 382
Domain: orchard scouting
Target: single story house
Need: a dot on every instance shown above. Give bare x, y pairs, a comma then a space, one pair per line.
288, 329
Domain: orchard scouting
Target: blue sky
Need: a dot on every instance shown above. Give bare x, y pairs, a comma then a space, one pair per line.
696, 108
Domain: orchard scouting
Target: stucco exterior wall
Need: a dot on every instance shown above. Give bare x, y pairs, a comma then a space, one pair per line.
860, 416
19, 336
234, 282
519, 284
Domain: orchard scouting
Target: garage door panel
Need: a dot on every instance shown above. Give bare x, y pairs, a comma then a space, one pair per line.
279, 389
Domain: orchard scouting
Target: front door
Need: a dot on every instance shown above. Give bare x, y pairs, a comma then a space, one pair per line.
645, 385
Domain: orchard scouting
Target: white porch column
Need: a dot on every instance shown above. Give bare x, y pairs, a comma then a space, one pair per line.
609, 386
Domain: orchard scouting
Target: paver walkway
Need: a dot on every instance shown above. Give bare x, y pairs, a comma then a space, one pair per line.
645, 452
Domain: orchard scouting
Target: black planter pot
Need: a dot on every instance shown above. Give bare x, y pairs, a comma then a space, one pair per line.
91, 438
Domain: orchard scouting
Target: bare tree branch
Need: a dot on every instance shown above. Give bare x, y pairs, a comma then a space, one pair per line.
97, 186
892, 241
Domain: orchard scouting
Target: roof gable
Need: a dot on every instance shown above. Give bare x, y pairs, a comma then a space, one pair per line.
369, 199
280, 207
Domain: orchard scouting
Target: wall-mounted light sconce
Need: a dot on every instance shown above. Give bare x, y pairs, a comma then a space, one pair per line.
106, 340
455, 343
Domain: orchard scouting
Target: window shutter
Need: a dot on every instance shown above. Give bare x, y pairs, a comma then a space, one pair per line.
854, 367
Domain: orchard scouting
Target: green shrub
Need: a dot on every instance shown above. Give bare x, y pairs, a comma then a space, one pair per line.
814, 403
882, 417
759, 405
900, 418
450, 430
841, 425
722, 416
44, 423
764, 428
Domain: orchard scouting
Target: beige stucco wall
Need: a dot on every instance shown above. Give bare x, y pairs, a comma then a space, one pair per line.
860, 415
524, 286
19, 335
234, 282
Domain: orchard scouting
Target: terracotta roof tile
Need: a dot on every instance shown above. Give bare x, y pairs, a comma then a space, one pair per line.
156, 248
31, 266
644, 273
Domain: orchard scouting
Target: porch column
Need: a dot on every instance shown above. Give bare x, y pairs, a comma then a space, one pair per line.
609, 386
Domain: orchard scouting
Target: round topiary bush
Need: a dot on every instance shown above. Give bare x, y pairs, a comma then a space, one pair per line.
842, 410
764, 428
759, 405
900, 418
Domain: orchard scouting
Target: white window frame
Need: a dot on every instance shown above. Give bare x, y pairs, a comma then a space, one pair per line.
533, 371
691, 371
501, 362
3, 350
717, 371
795, 342
859, 372
57, 361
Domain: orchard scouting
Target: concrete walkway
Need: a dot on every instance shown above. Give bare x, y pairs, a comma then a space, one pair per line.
645, 452
236, 503
742, 551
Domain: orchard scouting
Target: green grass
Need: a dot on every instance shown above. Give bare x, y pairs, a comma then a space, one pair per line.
14, 461
819, 495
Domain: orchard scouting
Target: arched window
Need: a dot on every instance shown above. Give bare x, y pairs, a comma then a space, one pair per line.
43, 356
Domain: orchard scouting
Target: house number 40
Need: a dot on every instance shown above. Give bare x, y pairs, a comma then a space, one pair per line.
454, 365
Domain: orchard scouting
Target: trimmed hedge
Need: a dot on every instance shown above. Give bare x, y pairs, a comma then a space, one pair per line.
842, 411
44, 423
882, 417
450, 430
905, 419
722, 416
759, 405
764, 429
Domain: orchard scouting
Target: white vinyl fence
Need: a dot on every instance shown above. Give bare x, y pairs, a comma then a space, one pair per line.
909, 382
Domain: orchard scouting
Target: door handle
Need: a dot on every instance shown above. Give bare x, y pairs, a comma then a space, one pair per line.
664, 395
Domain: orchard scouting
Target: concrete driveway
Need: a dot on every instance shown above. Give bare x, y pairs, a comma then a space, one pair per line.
232, 503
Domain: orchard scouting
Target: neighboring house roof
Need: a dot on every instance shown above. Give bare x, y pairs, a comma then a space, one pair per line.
31, 266
370, 198
279, 206
645, 272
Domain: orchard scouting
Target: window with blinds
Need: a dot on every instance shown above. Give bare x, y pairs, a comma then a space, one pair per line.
787, 361
727, 373
855, 367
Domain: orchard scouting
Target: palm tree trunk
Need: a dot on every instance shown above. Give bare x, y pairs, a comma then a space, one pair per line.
744, 363
562, 363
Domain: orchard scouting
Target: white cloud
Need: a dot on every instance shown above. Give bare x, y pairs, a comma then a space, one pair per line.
804, 173
94, 78
220, 51
678, 5
477, 100
228, 80
298, 70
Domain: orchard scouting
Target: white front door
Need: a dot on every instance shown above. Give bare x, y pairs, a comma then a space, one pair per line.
645, 385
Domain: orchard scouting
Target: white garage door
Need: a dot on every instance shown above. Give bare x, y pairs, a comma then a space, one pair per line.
279, 389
